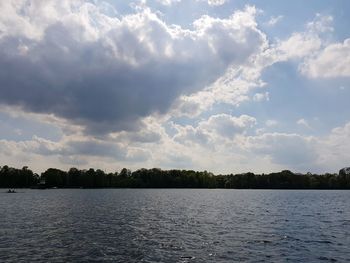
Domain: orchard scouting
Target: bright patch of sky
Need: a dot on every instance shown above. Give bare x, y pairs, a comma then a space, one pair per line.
219, 85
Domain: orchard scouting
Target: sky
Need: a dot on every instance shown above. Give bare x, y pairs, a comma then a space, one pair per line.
226, 86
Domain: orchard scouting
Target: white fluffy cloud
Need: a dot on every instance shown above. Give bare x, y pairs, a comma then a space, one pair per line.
299, 45
215, 128
226, 125
233, 87
331, 62
216, 2
222, 143
320, 59
304, 44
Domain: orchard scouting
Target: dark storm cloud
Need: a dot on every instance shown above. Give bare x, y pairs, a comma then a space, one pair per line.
108, 83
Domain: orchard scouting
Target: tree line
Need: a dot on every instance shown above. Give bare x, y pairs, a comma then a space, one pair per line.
156, 178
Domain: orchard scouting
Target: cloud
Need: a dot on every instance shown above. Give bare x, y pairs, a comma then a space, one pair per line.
94, 148
298, 45
321, 24
168, 2
274, 20
233, 86
226, 125
290, 150
74, 147
334, 153
301, 45
105, 73
304, 123
189, 135
226, 138
331, 62
104, 149
261, 97
132, 89
216, 2
320, 59
303, 153
152, 131
270, 123
215, 128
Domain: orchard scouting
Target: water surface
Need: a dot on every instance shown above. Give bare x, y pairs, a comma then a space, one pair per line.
174, 225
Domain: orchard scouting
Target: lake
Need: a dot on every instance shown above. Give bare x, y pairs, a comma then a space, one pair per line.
174, 225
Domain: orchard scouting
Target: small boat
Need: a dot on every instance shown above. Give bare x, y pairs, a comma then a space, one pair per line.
11, 191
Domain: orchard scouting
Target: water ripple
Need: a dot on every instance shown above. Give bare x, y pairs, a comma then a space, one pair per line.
174, 225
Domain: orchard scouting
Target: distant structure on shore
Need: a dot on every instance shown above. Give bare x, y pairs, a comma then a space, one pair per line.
344, 171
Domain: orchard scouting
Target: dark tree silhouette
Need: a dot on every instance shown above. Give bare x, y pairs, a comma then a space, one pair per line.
157, 178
